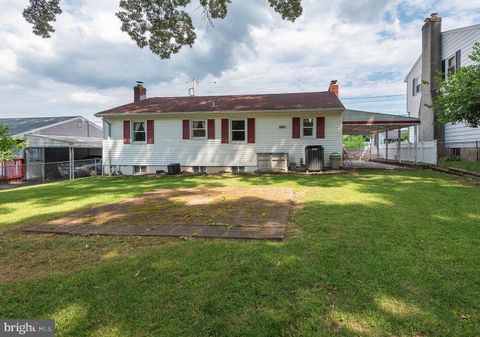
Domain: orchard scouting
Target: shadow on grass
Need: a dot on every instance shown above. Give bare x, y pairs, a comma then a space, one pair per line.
397, 258
42, 202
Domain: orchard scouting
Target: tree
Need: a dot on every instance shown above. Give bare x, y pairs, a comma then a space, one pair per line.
458, 97
9, 144
354, 142
162, 25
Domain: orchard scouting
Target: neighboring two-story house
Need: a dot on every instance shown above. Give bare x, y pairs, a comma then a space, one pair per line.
442, 52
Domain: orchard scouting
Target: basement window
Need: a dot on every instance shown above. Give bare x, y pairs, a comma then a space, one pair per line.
139, 169
238, 169
198, 129
199, 169
456, 152
308, 127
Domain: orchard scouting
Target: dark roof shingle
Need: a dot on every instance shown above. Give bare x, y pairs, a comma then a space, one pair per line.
268, 102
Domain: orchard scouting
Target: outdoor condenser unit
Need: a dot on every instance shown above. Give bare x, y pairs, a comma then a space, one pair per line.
314, 158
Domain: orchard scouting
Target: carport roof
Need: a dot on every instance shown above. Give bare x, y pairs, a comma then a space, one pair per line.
63, 141
356, 122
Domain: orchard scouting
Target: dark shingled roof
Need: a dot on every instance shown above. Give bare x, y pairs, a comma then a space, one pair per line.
268, 102
22, 125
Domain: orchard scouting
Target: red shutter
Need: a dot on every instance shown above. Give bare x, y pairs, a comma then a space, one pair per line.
186, 129
126, 132
295, 127
211, 129
320, 127
150, 132
251, 130
225, 131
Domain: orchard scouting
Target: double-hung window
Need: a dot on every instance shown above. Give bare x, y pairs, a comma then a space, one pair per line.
139, 132
451, 65
238, 130
199, 129
416, 85
307, 127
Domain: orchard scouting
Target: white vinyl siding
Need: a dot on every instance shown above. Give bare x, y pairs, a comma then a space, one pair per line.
413, 101
461, 39
273, 134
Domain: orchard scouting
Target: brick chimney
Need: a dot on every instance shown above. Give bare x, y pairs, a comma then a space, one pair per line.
333, 87
139, 92
431, 65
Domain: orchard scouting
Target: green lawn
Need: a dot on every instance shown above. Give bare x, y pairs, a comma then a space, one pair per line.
461, 164
392, 253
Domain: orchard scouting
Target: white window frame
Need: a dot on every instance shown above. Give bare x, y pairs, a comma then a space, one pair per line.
245, 130
312, 127
237, 169
454, 59
418, 88
199, 169
133, 132
142, 169
191, 129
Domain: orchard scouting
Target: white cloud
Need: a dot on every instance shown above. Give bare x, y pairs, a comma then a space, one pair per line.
89, 64
90, 97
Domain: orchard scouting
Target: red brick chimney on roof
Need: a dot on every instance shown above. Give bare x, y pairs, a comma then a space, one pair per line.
333, 87
139, 92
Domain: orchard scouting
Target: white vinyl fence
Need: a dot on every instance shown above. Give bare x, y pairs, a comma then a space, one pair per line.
426, 152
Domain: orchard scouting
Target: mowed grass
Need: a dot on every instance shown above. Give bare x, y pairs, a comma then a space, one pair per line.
393, 253
473, 166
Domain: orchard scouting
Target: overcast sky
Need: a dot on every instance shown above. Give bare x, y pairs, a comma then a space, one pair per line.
90, 65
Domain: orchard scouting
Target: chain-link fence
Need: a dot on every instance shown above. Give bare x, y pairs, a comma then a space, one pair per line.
51, 171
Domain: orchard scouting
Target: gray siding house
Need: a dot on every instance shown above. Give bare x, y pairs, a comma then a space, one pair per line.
53, 140
441, 52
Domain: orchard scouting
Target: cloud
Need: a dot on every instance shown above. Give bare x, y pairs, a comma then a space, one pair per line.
90, 64
90, 97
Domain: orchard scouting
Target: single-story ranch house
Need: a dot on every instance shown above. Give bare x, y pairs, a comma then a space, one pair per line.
231, 133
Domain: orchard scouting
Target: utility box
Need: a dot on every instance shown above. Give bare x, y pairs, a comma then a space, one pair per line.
173, 169
314, 158
336, 160
272, 162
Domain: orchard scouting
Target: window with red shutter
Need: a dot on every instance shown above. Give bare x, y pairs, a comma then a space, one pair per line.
211, 128
251, 130
126, 132
225, 131
150, 132
296, 127
186, 129
320, 127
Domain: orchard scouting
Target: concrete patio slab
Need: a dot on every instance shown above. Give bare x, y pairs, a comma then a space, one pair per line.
233, 213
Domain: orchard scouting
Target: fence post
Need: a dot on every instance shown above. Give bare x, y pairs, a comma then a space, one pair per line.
476, 145
71, 163
43, 172
386, 144
399, 145
415, 143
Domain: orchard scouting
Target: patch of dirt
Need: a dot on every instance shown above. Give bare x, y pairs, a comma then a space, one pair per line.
202, 211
